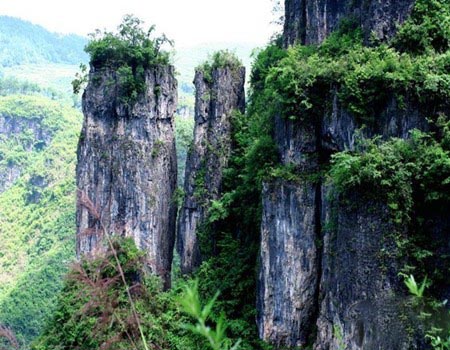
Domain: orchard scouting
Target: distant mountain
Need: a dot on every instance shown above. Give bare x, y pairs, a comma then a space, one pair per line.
22, 42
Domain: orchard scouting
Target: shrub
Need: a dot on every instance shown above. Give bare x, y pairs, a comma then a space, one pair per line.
365, 77
130, 51
94, 310
427, 29
219, 59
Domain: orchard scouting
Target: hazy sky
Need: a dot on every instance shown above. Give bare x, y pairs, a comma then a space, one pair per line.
188, 22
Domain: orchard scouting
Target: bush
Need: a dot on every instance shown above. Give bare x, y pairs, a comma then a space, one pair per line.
95, 312
365, 77
427, 29
219, 59
131, 45
130, 51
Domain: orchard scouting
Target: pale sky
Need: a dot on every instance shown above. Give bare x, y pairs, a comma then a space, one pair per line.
188, 22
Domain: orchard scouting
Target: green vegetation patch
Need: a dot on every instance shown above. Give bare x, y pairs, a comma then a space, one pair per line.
97, 310
219, 59
130, 52
398, 171
412, 178
366, 77
37, 211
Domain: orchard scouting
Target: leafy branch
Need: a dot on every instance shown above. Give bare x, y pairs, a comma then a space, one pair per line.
192, 305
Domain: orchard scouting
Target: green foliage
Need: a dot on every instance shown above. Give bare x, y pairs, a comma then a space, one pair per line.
231, 270
437, 341
192, 305
36, 210
219, 59
364, 77
22, 42
439, 338
398, 170
13, 86
337, 333
81, 79
427, 29
50, 80
413, 178
130, 51
232, 228
131, 46
413, 287
94, 310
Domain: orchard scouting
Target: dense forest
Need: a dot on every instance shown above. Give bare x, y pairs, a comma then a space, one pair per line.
310, 214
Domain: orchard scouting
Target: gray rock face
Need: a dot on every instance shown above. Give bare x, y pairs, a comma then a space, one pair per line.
339, 129
328, 266
215, 103
338, 279
363, 300
288, 276
311, 21
126, 171
38, 137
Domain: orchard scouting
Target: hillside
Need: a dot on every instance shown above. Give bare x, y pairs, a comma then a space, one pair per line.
38, 140
22, 42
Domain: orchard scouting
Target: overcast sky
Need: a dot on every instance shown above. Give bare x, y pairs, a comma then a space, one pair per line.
188, 22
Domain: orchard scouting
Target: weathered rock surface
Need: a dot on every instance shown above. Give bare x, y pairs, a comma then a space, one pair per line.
311, 21
356, 292
127, 166
363, 300
330, 266
215, 102
339, 130
29, 134
289, 274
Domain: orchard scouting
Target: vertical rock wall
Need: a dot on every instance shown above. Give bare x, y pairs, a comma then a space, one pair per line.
126, 171
363, 300
311, 21
322, 263
215, 102
328, 269
289, 258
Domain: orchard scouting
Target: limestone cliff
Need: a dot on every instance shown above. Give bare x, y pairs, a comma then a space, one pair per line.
216, 99
321, 261
328, 271
127, 166
311, 21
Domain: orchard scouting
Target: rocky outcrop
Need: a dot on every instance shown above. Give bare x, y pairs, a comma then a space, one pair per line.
126, 171
290, 261
27, 134
363, 300
216, 99
328, 269
311, 21
328, 272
